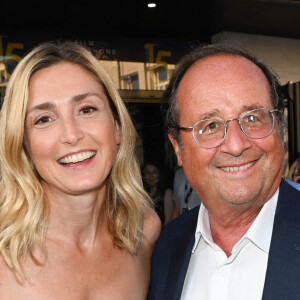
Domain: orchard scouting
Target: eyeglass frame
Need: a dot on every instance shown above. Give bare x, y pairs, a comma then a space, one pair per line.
225, 126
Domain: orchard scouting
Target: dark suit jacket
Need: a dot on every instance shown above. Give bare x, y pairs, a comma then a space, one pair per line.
172, 252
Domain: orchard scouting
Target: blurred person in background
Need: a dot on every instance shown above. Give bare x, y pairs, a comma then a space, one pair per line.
184, 196
296, 173
161, 195
293, 177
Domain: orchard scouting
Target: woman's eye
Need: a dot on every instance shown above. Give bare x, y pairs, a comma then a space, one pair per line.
87, 110
42, 120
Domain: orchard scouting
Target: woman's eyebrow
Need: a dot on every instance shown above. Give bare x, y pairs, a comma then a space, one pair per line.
42, 106
51, 105
80, 97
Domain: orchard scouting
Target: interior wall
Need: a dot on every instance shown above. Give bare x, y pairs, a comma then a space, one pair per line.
281, 54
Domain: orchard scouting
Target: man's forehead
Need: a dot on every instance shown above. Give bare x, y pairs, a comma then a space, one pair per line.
220, 80
221, 69
221, 62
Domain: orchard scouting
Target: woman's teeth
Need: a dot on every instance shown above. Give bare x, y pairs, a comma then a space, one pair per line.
75, 158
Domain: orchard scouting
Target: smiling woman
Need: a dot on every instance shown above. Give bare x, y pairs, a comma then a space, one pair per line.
73, 211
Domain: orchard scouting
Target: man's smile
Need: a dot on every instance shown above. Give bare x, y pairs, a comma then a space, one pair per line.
237, 168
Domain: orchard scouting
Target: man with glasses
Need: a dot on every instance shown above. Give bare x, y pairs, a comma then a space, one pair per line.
225, 121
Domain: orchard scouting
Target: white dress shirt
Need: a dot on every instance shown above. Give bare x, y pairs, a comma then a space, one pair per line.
211, 275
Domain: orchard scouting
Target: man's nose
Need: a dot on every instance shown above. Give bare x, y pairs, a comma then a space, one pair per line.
71, 131
236, 141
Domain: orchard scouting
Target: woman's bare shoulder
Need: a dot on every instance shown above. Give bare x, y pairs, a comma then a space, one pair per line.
8, 283
151, 228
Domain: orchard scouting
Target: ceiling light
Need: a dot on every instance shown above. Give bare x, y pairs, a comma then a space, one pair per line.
151, 4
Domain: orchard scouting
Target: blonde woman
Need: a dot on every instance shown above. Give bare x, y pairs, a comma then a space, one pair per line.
75, 222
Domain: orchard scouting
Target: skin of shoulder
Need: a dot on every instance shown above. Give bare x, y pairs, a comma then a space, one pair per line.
168, 192
151, 229
130, 282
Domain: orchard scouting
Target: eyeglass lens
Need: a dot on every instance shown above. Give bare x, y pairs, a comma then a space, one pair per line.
255, 124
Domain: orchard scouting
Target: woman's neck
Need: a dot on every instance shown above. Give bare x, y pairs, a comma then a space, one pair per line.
76, 218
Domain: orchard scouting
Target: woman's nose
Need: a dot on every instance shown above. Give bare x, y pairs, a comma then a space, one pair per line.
71, 131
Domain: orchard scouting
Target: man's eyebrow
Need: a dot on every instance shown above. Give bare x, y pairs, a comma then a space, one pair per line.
209, 114
51, 105
216, 112
250, 107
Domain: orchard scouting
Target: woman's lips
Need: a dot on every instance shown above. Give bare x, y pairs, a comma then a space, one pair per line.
78, 157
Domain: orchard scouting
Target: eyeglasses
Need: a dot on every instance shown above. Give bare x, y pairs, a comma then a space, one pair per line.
210, 133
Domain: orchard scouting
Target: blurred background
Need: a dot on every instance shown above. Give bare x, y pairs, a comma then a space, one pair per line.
140, 45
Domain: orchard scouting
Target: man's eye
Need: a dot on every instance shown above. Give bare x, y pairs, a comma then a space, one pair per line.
251, 118
42, 120
210, 127
87, 110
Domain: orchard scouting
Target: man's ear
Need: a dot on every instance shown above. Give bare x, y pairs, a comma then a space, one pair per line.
176, 147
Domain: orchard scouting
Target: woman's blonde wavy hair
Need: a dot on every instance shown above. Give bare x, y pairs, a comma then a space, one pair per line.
23, 206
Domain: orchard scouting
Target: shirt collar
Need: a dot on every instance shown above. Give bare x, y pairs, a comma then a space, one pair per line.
260, 231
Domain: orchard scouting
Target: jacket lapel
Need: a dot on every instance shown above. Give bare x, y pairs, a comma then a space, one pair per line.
182, 250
